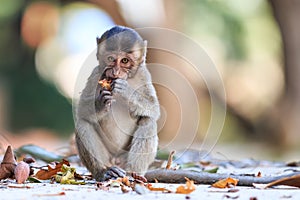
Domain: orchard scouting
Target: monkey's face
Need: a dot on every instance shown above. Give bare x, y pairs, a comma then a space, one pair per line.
118, 65
121, 51
121, 65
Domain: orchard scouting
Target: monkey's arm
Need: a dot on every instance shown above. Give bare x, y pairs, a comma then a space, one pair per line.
142, 101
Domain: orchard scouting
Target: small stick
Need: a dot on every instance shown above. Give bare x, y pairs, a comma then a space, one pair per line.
170, 159
178, 176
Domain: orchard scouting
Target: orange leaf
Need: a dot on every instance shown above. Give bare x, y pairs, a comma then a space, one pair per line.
124, 180
44, 174
151, 188
225, 183
188, 188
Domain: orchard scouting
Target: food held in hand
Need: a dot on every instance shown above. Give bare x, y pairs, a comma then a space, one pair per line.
105, 84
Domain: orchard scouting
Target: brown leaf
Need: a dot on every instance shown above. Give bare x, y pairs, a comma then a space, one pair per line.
124, 180
289, 181
225, 183
188, 188
44, 174
21, 172
8, 164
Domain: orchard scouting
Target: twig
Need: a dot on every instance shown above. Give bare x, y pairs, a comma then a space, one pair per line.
178, 176
170, 160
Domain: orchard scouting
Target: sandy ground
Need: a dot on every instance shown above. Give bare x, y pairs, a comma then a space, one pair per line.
52, 191
32, 191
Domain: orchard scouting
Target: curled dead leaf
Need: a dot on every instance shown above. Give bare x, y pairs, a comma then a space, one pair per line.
293, 181
226, 183
187, 188
45, 174
124, 180
157, 189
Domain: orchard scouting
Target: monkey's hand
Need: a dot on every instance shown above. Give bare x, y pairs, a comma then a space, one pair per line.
104, 99
114, 172
121, 87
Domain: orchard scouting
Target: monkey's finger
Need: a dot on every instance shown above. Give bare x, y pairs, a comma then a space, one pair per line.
104, 94
110, 175
119, 83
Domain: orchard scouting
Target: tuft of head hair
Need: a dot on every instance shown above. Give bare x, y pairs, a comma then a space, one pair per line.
120, 38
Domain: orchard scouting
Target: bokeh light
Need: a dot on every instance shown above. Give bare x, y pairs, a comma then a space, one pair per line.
58, 59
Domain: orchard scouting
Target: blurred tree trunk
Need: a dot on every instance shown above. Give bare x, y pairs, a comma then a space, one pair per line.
287, 14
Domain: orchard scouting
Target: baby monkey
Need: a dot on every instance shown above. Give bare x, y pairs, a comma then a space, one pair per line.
118, 108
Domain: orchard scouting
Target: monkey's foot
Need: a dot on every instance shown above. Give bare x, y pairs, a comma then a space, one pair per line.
138, 177
114, 172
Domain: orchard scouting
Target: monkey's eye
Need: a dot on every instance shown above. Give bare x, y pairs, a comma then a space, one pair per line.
124, 60
110, 58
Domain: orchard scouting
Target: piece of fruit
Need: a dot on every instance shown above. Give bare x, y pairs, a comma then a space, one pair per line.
105, 84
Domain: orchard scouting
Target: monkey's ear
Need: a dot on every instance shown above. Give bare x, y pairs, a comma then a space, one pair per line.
145, 47
98, 40
145, 44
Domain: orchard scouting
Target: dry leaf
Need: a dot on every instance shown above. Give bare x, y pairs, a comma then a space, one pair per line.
8, 164
289, 181
225, 183
188, 188
170, 160
67, 176
44, 174
124, 180
151, 188
21, 172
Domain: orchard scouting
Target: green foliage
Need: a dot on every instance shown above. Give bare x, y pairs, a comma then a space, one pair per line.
236, 25
32, 102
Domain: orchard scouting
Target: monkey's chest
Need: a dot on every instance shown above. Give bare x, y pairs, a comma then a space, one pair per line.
118, 126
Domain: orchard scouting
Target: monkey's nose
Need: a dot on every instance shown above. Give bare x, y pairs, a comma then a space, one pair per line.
116, 72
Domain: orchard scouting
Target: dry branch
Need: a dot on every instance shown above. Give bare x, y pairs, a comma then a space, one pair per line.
178, 176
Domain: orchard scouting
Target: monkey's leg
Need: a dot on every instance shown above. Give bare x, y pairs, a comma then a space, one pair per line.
143, 146
92, 151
